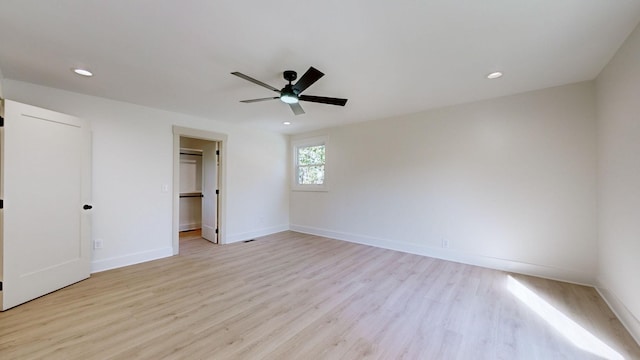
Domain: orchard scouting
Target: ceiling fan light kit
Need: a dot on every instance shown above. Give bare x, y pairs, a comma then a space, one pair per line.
288, 96
290, 93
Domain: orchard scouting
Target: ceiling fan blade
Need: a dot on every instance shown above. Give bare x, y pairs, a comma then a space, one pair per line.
296, 108
312, 75
258, 82
323, 100
258, 100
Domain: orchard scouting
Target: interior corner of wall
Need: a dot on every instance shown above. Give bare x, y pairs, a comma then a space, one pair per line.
622, 312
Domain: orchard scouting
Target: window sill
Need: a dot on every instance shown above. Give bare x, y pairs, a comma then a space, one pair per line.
310, 189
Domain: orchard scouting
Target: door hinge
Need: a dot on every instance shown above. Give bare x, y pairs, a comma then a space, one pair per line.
1, 121
1, 204
217, 192
216, 231
217, 152
0, 285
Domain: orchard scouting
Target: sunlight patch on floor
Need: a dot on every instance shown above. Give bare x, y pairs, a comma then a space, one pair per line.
575, 333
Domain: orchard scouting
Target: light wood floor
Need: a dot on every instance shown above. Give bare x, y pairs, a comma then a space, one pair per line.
294, 296
190, 235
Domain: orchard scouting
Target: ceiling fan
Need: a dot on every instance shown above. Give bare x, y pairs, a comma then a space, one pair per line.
291, 93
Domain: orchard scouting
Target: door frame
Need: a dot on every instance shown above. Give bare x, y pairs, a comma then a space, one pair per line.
221, 139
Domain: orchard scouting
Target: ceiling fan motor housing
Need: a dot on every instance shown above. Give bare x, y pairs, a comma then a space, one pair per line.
289, 90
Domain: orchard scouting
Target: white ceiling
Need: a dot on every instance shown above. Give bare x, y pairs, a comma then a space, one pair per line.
387, 57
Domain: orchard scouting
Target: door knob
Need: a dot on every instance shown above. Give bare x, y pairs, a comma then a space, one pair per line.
87, 207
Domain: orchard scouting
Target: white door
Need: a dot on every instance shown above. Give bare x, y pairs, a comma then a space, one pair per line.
45, 184
209, 188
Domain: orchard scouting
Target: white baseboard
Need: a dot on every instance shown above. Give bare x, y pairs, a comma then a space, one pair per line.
543, 271
130, 259
232, 238
187, 227
626, 317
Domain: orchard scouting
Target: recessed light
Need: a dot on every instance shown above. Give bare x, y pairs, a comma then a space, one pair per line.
286, 123
82, 72
494, 75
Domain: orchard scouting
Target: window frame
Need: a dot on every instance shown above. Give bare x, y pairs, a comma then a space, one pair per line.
308, 142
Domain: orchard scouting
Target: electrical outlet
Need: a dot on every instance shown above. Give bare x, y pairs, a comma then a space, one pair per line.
97, 244
445, 243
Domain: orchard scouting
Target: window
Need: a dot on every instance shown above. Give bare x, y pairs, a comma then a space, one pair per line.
309, 158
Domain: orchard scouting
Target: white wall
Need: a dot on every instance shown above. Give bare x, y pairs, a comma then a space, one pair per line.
190, 213
508, 182
133, 158
618, 89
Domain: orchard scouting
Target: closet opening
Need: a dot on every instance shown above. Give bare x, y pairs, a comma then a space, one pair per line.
198, 197
198, 210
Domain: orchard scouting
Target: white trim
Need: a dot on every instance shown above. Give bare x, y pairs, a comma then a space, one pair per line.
1, 85
131, 259
543, 271
191, 226
626, 317
232, 238
221, 138
303, 142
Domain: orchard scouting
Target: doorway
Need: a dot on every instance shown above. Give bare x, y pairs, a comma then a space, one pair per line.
199, 174
198, 198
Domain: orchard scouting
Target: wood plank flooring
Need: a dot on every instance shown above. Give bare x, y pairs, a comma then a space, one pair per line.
296, 296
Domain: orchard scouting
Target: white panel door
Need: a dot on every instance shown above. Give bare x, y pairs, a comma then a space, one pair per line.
45, 184
209, 187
